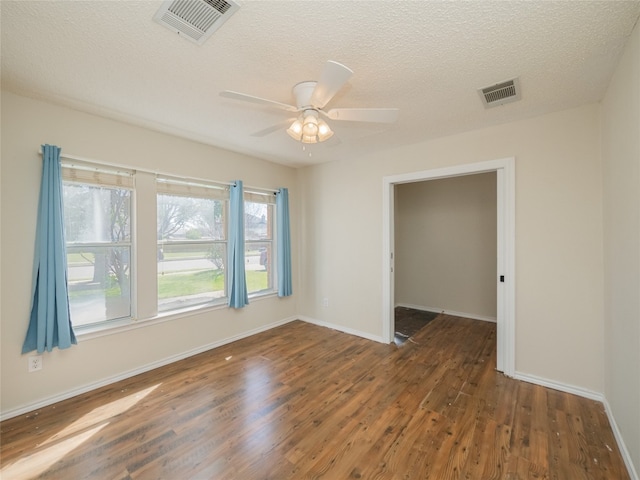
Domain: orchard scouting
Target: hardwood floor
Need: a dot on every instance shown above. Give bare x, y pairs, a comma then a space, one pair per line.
302, 401
408, 322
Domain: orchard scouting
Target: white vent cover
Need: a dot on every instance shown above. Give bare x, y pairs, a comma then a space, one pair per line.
500, 93
195, 20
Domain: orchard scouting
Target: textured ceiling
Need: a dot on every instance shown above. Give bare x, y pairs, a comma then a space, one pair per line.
426, 58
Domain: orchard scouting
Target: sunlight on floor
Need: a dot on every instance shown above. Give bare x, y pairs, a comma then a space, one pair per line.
37, 462
258, 387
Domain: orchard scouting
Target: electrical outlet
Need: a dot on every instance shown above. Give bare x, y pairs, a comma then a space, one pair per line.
35, 363
325, 302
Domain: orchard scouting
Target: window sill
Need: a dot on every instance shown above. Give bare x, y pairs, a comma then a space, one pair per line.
262, 295
125, 324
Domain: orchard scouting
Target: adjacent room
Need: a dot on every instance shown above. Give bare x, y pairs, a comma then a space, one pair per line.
212, 212
446, 248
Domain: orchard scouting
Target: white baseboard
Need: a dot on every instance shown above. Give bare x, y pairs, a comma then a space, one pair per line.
561, 387
472, 316
136, 371
633, 473
582, 392
340, 328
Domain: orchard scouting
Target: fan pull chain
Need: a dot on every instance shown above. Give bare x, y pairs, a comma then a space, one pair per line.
304, 148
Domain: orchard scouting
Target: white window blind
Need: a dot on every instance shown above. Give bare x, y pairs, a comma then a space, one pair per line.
94, 174
259, 197
187, 188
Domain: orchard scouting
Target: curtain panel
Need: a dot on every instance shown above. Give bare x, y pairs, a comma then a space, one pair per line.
238, 295
283, 243
50, 320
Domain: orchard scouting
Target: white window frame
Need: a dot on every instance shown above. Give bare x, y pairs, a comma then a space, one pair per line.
77, 172
189, 188
269, 199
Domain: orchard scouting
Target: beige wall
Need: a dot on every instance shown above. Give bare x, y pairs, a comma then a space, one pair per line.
445, 245
26, 124
621, 161
559, 264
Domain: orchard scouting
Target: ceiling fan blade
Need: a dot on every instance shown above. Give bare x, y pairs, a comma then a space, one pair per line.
377, 115
332, 79
258, 100
273, 128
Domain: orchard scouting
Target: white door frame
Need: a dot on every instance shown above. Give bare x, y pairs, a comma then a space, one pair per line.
505, 173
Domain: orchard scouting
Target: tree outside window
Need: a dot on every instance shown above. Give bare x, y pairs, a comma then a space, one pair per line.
191, 251
98, 237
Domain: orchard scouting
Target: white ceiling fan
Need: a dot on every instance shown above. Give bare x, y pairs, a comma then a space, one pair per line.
311, 98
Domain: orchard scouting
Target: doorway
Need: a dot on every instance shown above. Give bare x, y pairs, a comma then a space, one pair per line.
505, 281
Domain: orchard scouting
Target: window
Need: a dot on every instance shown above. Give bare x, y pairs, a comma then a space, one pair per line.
190, 250
259, 216
97, 222
192, 247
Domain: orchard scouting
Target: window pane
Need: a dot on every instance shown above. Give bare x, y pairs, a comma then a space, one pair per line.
259, 266
96, 214
257, 221
258, 225
99, 283
190, 260
188, 218
190, 274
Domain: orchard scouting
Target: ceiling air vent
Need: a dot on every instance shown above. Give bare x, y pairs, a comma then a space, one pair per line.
195, 20
500, 93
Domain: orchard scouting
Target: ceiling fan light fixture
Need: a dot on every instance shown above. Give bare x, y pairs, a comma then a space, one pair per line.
295, 130
311, 99
308, 128
324, 132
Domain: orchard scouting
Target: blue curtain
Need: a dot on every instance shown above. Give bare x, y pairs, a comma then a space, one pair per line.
284, 243
238, 296
50, 322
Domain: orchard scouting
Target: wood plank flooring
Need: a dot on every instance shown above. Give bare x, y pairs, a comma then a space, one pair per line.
408, 322
302, 401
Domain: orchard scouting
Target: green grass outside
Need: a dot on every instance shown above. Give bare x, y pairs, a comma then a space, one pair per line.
112, 291
179, 284
172, 285
88, 259
183, 284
